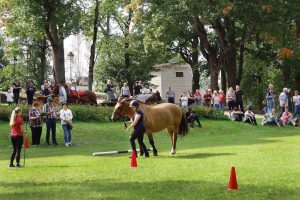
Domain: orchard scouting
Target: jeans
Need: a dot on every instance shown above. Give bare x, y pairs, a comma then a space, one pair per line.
67, 133
170, 99
30, 97
281, 111
138, 134
17, 143
197, 102
51, 124
271, 105
221, 106
297, 111
217, 106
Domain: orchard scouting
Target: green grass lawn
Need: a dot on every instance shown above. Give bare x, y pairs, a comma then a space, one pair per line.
267, 162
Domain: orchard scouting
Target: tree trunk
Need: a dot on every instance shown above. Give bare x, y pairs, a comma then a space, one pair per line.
241, 64
59, 61
93, 47
195, 66
43, 61
230, 65
223, 80
214, 72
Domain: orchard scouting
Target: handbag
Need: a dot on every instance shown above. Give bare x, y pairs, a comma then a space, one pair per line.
69, 125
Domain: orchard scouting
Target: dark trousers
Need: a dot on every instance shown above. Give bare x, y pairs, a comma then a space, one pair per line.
191, 119
16, 97
51, 124
282, 109
250, 120
171, 100
240, 106
30, 97
17, 143
139, 135
36, 135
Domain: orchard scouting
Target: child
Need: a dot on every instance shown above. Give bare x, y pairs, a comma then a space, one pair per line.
9, 97
250, 116
296, 101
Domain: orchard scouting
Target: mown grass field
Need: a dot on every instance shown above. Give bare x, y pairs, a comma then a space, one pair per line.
267, 162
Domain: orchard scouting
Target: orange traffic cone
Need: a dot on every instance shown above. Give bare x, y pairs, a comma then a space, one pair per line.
133, 160
26, 142
232, 182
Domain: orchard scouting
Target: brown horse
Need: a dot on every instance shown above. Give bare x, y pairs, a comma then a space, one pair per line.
77, 97
157, 118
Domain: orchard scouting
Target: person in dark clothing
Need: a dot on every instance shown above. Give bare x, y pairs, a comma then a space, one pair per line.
16, 91
138, 88
35, 123
50, 110
17, 131
30, 90
139, 128
191, 117
239, 98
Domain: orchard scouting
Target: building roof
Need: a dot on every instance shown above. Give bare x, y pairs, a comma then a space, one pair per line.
169, 65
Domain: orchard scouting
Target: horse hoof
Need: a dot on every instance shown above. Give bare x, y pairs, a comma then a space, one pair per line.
155, 154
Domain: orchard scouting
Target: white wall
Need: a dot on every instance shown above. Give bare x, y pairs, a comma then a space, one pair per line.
167, 76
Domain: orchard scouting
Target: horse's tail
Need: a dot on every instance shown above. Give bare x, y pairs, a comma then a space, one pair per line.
183, 127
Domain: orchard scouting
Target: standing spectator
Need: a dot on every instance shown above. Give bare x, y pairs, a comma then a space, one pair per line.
270, 97
43, 86
138, 88
191, 117
62, 94
52, 86
51, 114
207, 98
125, 92
30, 90
184, 100
239, 98
216, 99
283, 100
250, 116
289, 95
17, 131
66, 117
222, 100
296, 101
45, 92
118, 92
231, 98
35, 124
9, 97
16, 91
197, 97
170, 95
109, 92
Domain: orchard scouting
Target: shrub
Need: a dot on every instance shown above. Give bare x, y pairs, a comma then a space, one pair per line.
209, 113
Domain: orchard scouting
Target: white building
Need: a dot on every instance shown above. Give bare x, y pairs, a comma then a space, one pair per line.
177, 75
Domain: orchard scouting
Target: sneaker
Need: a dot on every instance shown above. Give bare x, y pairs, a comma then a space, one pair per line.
18, 165
11, 165
66, 144
70, 144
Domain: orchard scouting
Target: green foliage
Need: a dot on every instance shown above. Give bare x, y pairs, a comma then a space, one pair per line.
209, 113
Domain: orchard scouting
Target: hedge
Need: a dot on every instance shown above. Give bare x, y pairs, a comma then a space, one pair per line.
103, 114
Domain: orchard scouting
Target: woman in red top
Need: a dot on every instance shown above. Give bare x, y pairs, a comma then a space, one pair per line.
16, 133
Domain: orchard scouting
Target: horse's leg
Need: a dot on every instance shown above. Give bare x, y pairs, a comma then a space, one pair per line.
170, 130
151, 141
174, 142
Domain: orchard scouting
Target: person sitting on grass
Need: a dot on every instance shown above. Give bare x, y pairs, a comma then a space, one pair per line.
237, 115
271, 118
287, 118
249, 116
191, 117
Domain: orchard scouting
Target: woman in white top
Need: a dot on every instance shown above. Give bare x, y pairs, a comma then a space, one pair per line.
125, 92
9, 97
184, 100
216, 100
66, 117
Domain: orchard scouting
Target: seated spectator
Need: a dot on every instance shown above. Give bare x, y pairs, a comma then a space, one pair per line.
184, 100
191, 117
249, 116
270, 118
237, 115
287, 118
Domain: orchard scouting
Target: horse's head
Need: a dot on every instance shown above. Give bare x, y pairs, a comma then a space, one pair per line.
121, 109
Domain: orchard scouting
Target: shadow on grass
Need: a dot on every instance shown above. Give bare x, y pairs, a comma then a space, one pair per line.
202, 155
120, 189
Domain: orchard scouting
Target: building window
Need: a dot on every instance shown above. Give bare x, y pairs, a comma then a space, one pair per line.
179, 74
